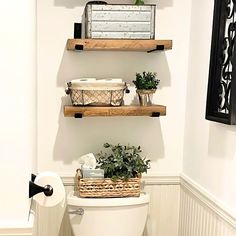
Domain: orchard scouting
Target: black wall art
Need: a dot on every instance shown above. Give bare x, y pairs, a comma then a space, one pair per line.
221, 96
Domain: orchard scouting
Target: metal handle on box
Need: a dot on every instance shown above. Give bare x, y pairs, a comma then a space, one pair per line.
126, 88
96, 2
68, 88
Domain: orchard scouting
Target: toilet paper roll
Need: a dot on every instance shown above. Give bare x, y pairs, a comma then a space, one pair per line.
54, 180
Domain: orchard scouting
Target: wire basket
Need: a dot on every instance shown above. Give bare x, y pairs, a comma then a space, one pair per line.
96, 93
107, 188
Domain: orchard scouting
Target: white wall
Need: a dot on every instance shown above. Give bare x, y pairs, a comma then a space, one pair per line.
209, 149
209, 152
18, 111
62, 140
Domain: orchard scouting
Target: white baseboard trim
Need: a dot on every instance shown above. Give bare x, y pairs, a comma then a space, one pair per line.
17, 231
25, 229
208, 200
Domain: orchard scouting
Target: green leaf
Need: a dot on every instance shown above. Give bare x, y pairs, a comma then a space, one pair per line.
122, 161
146, 81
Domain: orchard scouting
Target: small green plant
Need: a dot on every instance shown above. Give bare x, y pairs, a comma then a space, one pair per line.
139, 2
122, 162
146, 80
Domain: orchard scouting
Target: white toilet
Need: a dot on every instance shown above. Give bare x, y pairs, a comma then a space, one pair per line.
108, 216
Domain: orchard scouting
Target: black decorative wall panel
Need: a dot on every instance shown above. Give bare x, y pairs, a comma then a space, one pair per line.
221, 97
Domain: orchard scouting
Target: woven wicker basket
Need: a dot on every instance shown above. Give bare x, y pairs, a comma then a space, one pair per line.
106, 188
96, 92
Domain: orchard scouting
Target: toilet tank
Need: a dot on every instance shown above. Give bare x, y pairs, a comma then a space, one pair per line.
108, 216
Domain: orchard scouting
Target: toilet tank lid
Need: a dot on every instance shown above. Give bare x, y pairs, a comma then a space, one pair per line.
74, 200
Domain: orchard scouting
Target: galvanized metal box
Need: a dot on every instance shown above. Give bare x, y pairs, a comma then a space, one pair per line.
120, 21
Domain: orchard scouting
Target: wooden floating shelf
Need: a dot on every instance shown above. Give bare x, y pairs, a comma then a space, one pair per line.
118, 45
79, 112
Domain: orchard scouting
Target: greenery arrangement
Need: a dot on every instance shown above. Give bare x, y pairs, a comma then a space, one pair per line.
139, 2
122, 162
146, 80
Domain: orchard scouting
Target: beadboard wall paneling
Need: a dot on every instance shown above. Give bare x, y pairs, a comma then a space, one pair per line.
163, 214
162, 218
178, 207
201, 215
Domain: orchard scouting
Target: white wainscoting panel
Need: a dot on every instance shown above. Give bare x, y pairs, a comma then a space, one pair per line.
163, 211
202, 216
178, 207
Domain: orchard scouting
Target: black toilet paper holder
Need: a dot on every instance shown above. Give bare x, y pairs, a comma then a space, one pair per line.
35, 188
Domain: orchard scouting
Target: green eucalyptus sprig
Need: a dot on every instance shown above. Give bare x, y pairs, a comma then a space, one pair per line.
122, 162
139, 2
146, 80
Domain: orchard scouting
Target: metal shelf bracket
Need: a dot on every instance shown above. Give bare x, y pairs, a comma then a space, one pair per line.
79, 47
155, 114
158, 48
78, 115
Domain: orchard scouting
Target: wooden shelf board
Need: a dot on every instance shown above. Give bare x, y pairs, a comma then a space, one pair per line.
118, 44
70, 111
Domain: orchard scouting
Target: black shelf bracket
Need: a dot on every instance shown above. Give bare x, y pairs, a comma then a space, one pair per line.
78, 115
79, 47
155, 114
158, 48
33, 177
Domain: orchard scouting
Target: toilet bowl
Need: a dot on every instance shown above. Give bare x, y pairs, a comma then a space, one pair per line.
108, 216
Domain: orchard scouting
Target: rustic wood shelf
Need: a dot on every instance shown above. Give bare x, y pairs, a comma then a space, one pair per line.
118, 45
79, 112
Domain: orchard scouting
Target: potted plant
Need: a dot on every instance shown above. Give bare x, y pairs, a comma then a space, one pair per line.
122, 162
123, 167
146, 85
